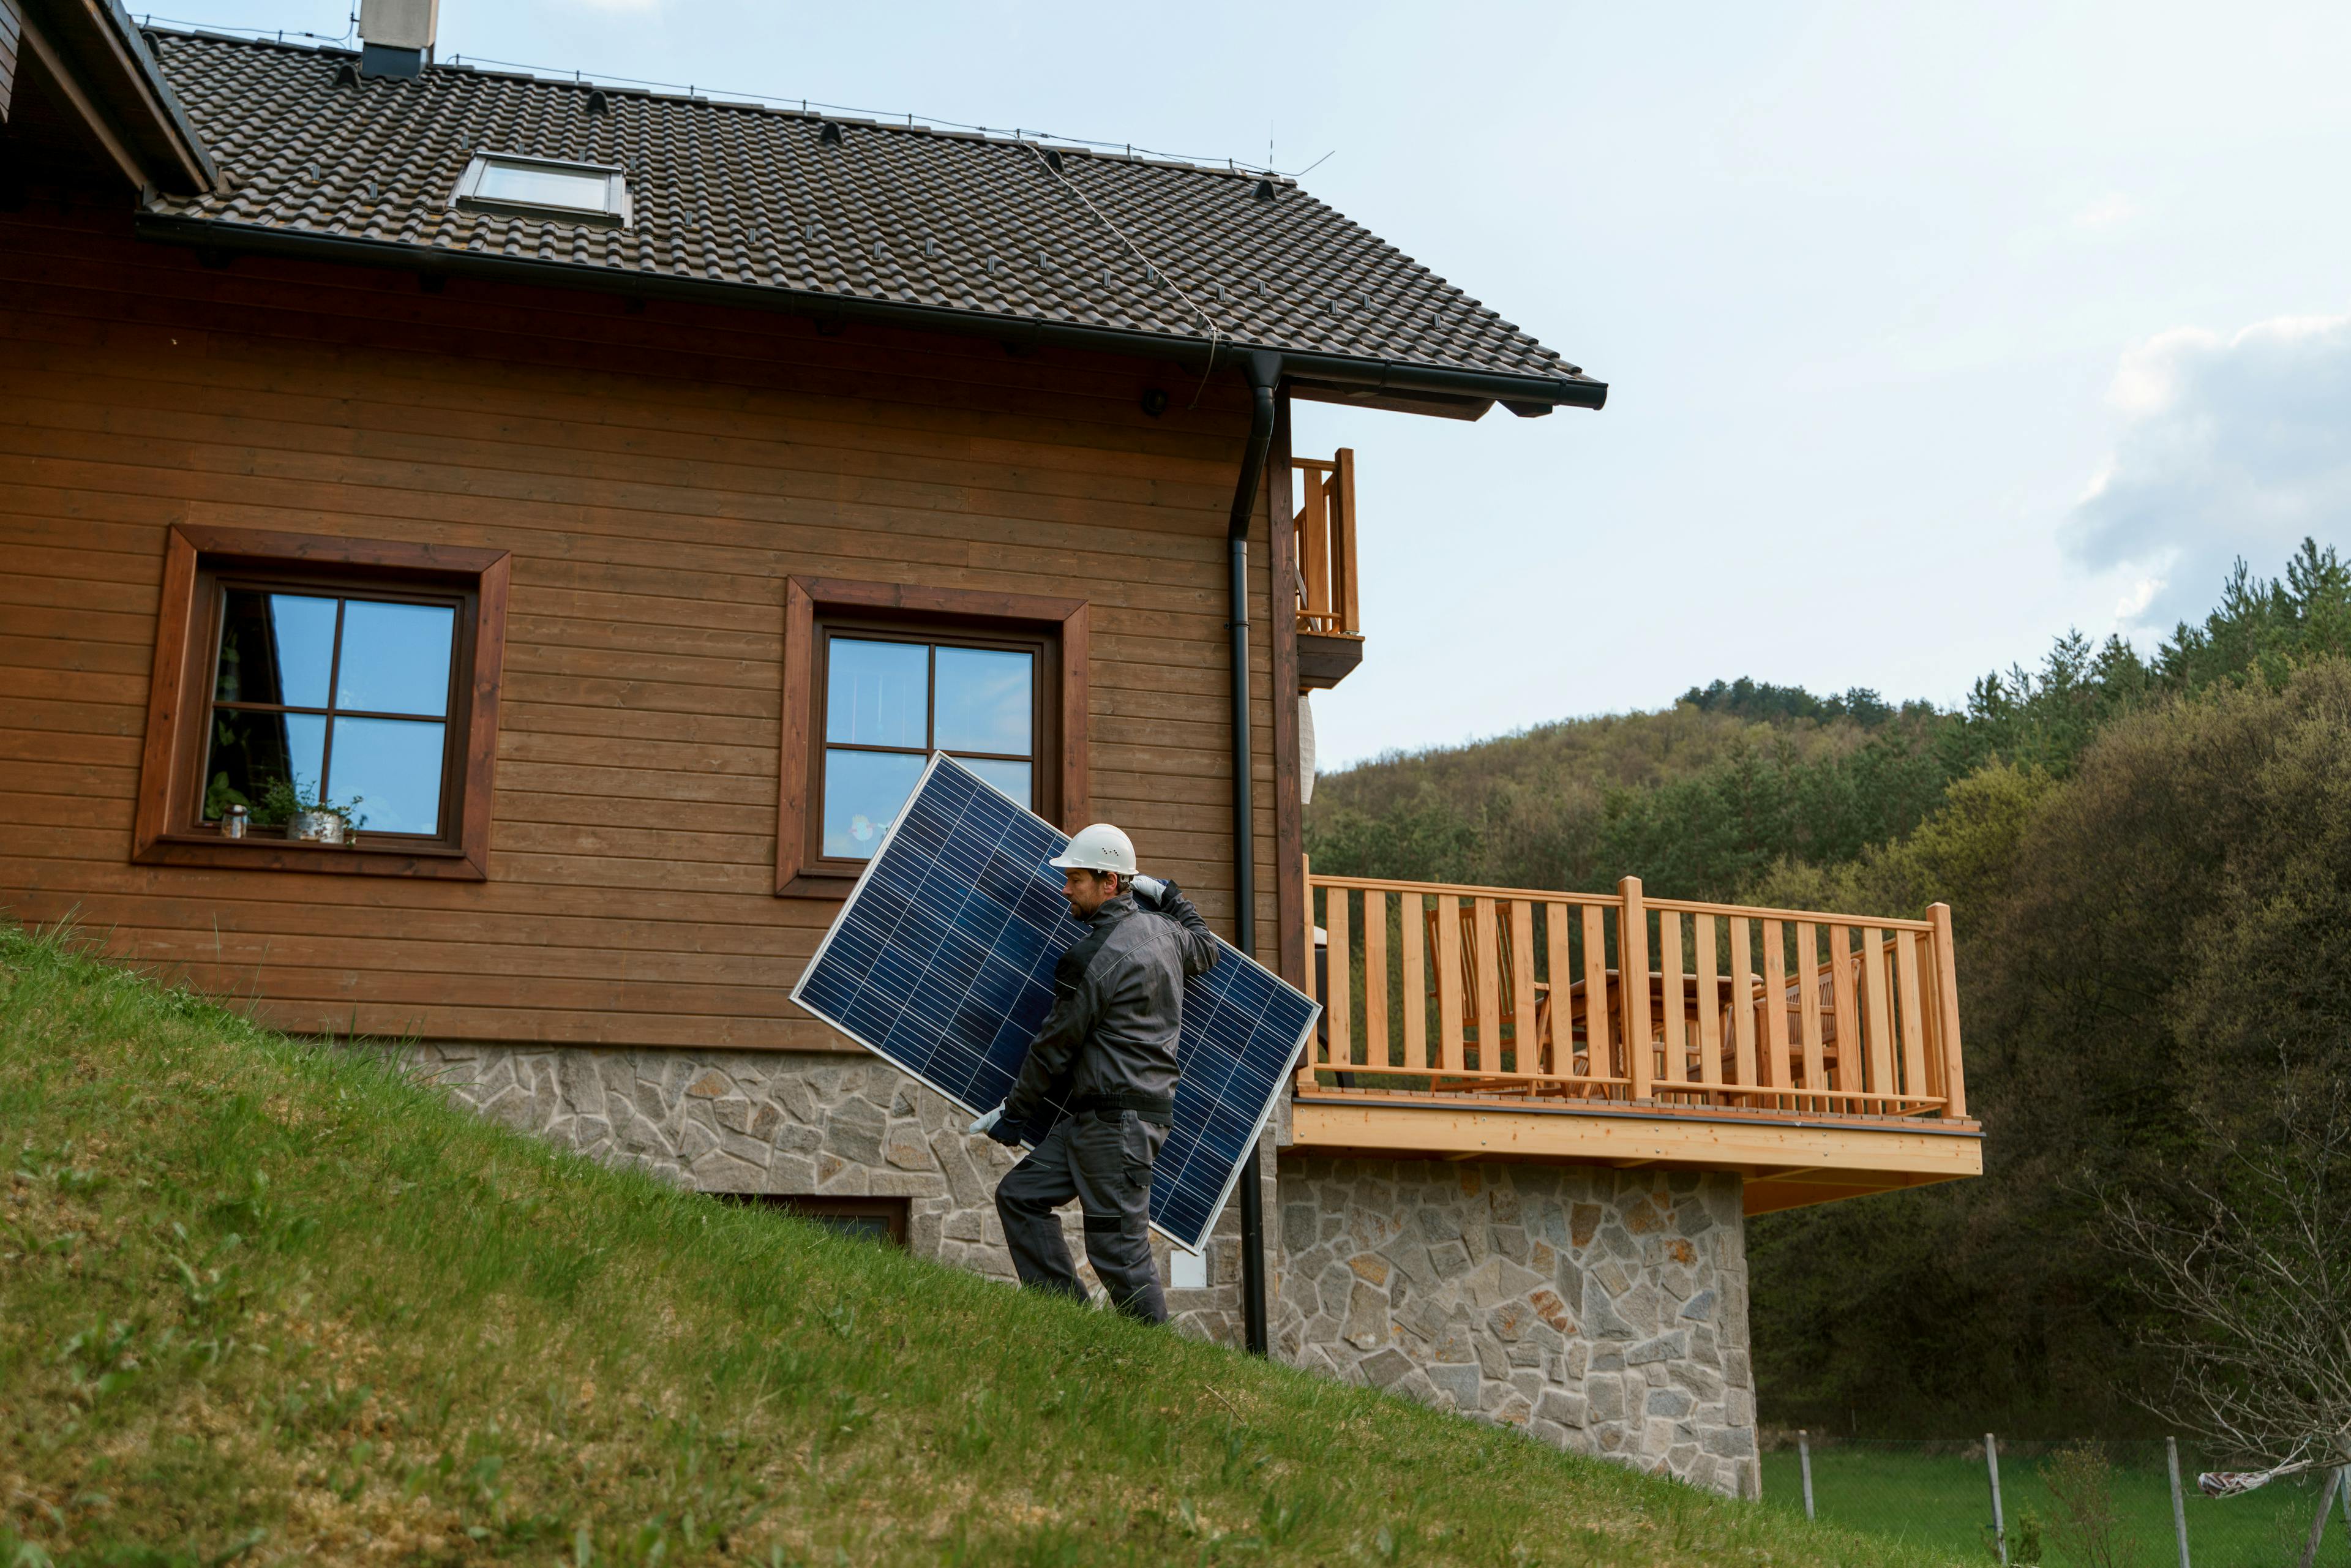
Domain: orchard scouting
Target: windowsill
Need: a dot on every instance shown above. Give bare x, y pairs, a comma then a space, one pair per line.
823, 880
373, 855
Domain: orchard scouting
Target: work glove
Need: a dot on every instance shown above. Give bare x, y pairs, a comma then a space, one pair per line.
993, 1126
1152, 891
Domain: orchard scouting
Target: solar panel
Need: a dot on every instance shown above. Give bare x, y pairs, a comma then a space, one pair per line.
941, 963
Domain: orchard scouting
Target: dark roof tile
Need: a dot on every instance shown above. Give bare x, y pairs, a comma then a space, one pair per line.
765, 198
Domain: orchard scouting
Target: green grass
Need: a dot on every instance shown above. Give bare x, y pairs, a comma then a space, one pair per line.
262, 1298
1937, 1497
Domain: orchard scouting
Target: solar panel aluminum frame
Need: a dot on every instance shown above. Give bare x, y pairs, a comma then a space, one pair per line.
1226, 953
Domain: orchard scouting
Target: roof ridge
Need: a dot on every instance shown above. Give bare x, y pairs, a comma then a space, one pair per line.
581, 82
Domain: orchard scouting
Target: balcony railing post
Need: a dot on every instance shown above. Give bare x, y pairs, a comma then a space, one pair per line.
1947, 1002
1633, 979
1345, 602
1315, 984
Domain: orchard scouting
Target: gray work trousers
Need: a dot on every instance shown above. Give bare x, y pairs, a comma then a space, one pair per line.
1101, 1158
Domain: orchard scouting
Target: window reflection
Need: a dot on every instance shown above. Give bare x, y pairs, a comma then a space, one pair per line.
890, 703
394, 767
877, 694
862, 793
396, 657
984, 699
276, 648
1011, 777
541, 187
282, 736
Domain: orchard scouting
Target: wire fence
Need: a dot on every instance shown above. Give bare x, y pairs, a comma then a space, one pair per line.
2085, 1504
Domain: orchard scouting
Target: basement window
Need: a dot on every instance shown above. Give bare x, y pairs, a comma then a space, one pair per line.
523, 187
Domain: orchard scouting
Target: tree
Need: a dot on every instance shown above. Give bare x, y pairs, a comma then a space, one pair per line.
2249, 1270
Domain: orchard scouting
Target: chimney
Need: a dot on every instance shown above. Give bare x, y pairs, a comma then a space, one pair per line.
396, 36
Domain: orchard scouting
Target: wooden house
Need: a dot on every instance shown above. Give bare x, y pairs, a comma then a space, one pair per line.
616, 494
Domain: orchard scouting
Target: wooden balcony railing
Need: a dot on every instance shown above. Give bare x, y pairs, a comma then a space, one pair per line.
1488, 993
1327, 604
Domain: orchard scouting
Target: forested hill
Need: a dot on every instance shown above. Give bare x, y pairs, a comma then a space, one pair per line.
2148, 862
1700, 798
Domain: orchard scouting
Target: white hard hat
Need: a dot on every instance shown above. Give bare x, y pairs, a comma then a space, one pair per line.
1098, 847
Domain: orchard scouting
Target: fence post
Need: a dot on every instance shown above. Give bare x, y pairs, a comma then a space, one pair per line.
1998, 1526
1632, 984
2178, 1502
2318, 1523
1804, 1462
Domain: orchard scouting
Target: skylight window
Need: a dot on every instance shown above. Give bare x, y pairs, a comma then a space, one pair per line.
544, 188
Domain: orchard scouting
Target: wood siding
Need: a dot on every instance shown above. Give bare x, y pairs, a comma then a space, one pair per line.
657, 473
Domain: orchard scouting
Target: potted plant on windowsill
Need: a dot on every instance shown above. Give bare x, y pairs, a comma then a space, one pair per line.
305, 815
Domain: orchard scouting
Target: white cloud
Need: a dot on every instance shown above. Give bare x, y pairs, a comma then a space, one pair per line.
2107, 212
2230, 446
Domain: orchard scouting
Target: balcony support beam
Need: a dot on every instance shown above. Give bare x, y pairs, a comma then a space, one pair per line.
1787, 1162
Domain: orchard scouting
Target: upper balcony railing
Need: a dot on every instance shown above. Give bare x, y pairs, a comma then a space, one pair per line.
1513, 996
1327, 604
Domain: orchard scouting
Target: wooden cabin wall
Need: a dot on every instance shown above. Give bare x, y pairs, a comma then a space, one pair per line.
657, 472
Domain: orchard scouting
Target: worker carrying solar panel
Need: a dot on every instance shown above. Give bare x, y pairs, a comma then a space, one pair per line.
1097, 1092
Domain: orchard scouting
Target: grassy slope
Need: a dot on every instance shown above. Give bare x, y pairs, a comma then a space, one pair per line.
253, 1291
1940, 1497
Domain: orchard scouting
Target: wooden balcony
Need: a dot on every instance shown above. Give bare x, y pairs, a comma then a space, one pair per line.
1330, 618
1816, 1054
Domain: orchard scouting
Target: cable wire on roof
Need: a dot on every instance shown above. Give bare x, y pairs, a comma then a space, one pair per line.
805, 104
1150, 269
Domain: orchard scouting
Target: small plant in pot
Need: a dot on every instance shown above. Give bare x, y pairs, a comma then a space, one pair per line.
304, 812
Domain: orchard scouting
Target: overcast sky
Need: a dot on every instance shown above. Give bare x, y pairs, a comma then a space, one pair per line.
1931, 330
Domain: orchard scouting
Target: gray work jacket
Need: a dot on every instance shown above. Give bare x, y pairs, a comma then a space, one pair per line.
1118, 1003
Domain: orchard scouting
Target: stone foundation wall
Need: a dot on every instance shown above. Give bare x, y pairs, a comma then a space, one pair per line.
807, 1125
1599, 1311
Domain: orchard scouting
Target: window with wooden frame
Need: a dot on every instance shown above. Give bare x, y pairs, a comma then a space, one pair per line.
877, 677
335, 699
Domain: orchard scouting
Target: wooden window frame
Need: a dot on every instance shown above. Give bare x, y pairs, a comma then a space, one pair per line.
167, 829
1058, 625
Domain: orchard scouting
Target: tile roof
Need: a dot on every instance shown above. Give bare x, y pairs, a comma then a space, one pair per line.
755, 197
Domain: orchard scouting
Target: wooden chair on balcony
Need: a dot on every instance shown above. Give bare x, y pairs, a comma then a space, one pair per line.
1508, 1036
1542, 1039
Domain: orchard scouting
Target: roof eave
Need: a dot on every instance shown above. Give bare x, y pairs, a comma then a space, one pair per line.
107, 72
1434, 385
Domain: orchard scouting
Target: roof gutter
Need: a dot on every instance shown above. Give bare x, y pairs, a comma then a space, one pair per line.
1534, 392
1264, 372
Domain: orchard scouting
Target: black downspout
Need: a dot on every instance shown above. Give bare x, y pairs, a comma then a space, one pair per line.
1264, 370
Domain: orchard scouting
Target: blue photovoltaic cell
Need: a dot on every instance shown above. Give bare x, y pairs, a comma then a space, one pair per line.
942, 962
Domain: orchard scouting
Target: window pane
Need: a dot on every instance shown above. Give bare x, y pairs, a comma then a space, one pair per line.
396, 657
1012, 777
393, 766
251, 751
985, 700
542, 187
862, 793
875, 694
276, 648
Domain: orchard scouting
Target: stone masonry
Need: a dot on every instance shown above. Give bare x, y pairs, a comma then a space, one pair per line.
1599, 1311
807, 1125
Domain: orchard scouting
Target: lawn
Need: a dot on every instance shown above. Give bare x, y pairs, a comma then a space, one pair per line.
1939, 1496
265, 1299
